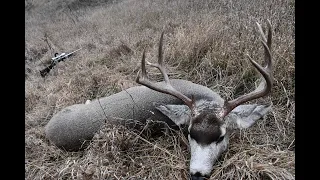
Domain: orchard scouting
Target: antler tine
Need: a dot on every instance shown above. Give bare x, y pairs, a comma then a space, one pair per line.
265, 72
143, 64
266, 43
269, 34
160, 54
160, 64
167, 88
142, 74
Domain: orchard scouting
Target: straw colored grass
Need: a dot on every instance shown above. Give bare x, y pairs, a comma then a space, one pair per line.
205, 42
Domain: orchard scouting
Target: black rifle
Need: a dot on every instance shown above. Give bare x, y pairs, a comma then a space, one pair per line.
55, 60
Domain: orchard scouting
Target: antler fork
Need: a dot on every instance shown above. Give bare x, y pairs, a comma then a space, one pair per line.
266, 73
167, 88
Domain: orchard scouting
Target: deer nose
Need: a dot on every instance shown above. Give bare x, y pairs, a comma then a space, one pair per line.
197, 176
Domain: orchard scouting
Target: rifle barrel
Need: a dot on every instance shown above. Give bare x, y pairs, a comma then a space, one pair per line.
73, 52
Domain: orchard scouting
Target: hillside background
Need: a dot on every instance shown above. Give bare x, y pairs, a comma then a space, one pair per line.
206, 42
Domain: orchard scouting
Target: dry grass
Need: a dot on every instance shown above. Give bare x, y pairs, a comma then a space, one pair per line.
205, 42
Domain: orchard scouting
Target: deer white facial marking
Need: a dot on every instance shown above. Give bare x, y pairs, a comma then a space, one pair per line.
203, 156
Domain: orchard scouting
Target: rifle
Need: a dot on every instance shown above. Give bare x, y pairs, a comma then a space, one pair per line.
55, 60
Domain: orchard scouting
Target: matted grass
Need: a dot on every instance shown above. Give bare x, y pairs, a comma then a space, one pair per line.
205, 42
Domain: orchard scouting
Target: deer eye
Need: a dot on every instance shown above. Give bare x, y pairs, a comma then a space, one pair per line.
220, 139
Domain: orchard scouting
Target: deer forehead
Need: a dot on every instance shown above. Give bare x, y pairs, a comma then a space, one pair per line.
206, 128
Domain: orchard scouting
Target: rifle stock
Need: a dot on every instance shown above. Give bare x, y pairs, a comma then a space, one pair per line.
46, 70
55, 61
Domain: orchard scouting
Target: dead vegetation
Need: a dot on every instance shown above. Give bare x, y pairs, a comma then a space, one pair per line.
205, 42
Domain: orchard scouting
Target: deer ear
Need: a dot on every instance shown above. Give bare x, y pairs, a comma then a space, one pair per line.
245, 116
179, 114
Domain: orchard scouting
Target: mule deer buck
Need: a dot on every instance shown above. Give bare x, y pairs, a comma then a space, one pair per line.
209, 118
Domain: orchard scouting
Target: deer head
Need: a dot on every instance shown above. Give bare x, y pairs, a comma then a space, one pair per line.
207, 120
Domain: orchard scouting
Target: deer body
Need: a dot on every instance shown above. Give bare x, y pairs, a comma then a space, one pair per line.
177, 102
69, 127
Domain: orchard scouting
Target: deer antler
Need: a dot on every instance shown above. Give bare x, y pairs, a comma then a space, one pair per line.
266, 73
168, 89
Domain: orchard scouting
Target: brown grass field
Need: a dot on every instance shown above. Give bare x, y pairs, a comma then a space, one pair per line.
206, 42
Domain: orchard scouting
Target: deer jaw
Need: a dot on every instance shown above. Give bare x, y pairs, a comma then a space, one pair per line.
203, 157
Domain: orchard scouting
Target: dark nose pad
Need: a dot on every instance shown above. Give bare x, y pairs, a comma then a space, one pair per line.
198, 176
